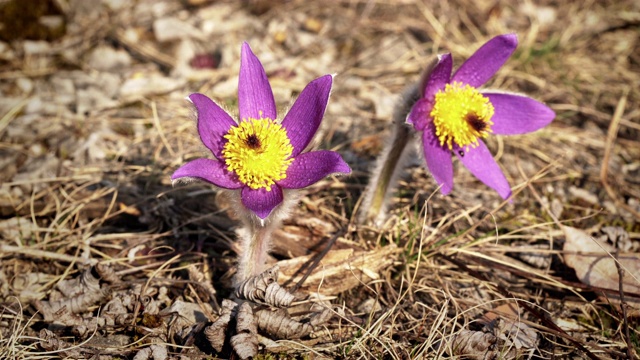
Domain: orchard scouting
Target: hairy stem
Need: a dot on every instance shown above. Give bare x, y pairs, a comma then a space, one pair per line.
256, 241
393, 156
390, 162
256, 234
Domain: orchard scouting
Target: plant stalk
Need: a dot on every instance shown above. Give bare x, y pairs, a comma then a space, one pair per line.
256, 242
393, 157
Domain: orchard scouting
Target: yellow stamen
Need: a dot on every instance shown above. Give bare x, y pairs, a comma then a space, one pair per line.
461, 115
258, 151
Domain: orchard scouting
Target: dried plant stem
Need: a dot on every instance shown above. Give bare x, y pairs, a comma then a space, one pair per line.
623, 309
612, 134
42, 254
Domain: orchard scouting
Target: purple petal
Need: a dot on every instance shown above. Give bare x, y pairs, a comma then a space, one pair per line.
481, 164
303, 120
481, 66
311, 167
438, 160
518, 114
261, 201
420, 116
213, 123
255, 98
212, 171
439, 77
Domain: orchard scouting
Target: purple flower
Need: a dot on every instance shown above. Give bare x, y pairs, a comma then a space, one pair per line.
453, 114
259, 155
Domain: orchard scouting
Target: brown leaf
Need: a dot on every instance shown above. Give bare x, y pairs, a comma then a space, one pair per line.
339, 270
505, 323
480, 345
264, 289
594, 264
278, 324
216, 333
245, 342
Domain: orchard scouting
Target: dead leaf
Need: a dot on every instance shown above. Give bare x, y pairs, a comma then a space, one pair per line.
503, 336
479, 345
594, 264
155, 352
264, 289
216, 332
339, 270
245, 341
279, 324
505, 322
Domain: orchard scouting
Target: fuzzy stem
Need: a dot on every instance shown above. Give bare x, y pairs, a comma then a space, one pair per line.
256, 242
393, 156
389, 162
256, 234
400, 141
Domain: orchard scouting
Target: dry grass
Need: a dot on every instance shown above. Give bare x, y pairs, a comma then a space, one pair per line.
89, 181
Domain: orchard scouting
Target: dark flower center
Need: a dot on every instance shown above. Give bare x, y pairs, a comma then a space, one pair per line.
476, 122
253, 142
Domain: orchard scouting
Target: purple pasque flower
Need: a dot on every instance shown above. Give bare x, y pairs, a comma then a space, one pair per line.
453, 114
258, 155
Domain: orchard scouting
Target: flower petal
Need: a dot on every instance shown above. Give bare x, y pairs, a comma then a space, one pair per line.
213, 123
209, 170
518, 114
255, 98
420, 116
481, 66
482, 164
261, 201
311, 167
303, 120
438, 160
439, 77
